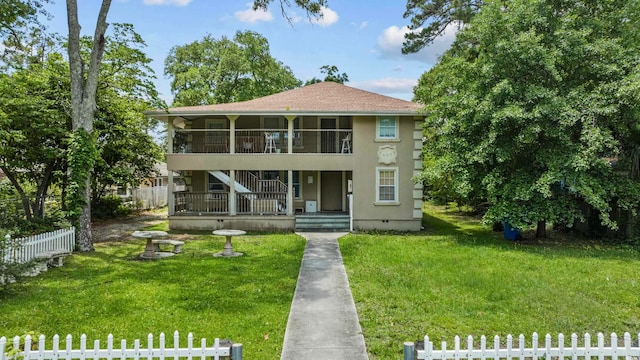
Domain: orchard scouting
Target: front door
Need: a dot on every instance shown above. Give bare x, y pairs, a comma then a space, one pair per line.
331, 191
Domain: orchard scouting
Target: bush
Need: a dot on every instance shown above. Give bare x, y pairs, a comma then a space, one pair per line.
110, 207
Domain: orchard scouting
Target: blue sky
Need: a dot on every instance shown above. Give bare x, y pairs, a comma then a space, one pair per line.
362, 38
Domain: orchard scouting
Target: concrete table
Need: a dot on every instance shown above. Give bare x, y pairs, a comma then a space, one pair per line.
228, 248
149, 251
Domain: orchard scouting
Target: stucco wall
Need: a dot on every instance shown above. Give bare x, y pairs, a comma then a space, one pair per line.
364, 172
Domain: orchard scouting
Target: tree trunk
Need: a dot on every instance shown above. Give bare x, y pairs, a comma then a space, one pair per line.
83, 98
541, 231
26, 205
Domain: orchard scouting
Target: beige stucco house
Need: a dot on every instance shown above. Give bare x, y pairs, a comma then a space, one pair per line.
296, 160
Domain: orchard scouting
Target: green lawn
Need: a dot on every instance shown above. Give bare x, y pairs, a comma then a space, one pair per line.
456, 278
459, 278
245, 299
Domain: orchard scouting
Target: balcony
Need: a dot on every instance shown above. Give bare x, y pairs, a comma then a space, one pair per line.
259, 141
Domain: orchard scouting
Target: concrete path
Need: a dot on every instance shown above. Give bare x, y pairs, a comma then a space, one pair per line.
323, 322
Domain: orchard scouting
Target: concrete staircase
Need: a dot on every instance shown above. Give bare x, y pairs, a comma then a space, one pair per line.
322, 223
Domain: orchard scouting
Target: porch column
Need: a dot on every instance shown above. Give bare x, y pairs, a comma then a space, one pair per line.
170, 200
290, 191
232, 192
290, 119
344, 191
232, 133
172, 132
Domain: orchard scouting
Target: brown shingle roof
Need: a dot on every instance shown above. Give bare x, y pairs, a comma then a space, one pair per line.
323, 97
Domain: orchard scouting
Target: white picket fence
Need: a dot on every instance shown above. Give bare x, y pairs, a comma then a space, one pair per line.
629, 349
23, 250
33, 350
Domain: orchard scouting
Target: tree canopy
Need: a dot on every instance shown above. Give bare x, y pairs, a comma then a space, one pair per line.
430, 18
536, 109
213, 71
331, 74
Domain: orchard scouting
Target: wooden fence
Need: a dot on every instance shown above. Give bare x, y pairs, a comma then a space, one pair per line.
23, 250
32, 350
628, 349
150, 197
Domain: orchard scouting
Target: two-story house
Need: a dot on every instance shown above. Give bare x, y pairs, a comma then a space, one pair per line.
297, 160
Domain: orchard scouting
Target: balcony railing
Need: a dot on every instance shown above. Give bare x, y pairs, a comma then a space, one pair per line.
254, 203
263, 141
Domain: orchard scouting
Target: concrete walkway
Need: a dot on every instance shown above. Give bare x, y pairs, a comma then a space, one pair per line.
323, 322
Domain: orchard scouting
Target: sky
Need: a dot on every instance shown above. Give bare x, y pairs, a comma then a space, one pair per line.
363, 38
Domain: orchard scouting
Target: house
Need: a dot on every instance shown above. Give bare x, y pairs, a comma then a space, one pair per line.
276, 162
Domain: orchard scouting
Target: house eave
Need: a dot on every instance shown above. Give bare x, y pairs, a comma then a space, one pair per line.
164, 116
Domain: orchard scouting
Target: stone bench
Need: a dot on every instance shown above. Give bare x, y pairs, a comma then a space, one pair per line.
52, 258
177, 245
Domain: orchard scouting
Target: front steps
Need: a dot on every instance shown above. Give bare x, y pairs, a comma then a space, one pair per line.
322, 223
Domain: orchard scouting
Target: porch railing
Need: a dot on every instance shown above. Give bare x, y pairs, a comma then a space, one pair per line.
254, 203
261, 203
259, 141
206, 202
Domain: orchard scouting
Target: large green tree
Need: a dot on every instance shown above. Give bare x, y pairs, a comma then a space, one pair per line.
34, 125
127, 152
84, 84
535, 109
213, 71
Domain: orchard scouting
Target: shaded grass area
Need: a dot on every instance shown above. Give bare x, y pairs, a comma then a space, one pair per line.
245, 299
459, 278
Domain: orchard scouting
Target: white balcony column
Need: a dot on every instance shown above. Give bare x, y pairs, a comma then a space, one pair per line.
170, 199
290, 191
290, 120
232, 133
172, 133
232, 192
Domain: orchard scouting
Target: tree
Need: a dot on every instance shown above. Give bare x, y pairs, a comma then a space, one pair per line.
34, 125
331, 72
535, 109
438, 15
220, 71
84, 82
127, 153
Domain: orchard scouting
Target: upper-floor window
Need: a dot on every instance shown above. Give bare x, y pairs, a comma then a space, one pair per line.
387, 127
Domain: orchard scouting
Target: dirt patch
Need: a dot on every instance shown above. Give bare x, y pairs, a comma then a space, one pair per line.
121, 229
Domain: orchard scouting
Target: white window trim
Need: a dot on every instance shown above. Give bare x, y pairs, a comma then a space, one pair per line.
395, 190
299, 185
397, 123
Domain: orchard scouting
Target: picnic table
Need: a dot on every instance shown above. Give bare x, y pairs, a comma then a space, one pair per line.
149, 249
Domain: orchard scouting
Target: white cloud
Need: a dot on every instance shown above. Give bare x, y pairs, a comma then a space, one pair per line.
167, 2
387, 86
390, 44
328, 18
251, 16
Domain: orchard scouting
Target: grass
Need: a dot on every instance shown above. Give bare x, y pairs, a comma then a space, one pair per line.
456, 278
245, 299
459, 278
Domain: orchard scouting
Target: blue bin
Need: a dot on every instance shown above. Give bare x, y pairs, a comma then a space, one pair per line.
510, 233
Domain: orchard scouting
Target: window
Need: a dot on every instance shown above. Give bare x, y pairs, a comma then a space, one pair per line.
387, 127
387, 185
